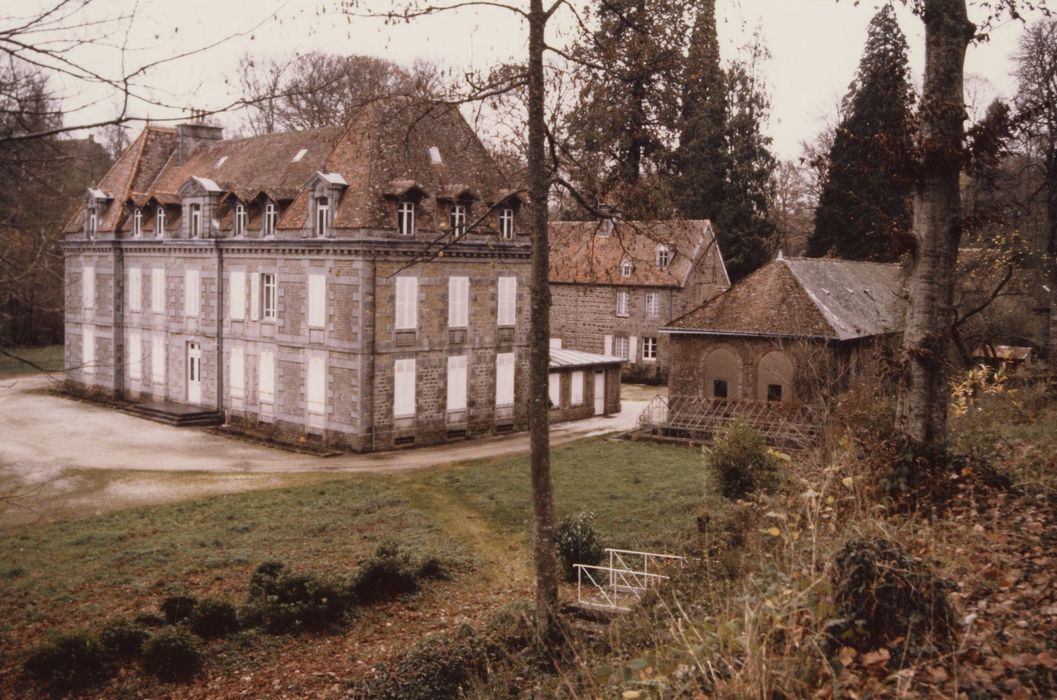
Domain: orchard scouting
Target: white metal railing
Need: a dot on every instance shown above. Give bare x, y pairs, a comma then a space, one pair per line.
614, 584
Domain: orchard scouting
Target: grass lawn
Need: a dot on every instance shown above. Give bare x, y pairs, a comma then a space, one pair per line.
49, 357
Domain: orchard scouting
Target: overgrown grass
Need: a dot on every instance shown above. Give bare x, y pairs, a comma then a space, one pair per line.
50, 357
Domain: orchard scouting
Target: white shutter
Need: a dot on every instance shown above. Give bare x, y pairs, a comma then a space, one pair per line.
317, 300
577, 393
458, 302
237, 373
504, 379
457, 383
507, 298
406, 303
608, 345
633, 354
317, 385
157, 290
403, 388
135, 355
266, 377
88, 349
192, 293
157, 359
255, 296
554, 389
88, 288
237, 296
135, 289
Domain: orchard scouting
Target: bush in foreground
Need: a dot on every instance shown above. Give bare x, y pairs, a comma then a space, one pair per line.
178, 608
123, 639
173, 655
69, 663
283, 602
742, 462
577, 543
386, 575
213, 618
441, 666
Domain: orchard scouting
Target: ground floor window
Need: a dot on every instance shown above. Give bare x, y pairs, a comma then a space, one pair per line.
719, 388
404, 388
649, 348
774, 392
620, 346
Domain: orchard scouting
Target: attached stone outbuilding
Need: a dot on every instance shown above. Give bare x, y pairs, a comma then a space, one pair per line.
583, 384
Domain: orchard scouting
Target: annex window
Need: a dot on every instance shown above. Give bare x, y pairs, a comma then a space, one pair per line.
88, 349
268, 296
266, 377
626, 268
457, 383
88, 288
653, 304
270, 220
240, 220
157, 359
135, 354
664, 257
506, 224
649, 349
622, 302
554, 389
457, 219
157, 290
322, 219
192, 293
504, 379
135, 289
317, 300
774, 392
196, 221
620, 346
406, 310
316, 393
458, 302
237, 295
159, 222
719, 388
576, 390
137, 222
237, 372
405, 217
404, 388
507, 298
92, 221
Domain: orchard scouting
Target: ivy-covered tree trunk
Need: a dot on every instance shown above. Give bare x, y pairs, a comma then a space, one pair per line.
921, 411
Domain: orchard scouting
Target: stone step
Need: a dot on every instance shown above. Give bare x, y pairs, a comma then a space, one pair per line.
181, 417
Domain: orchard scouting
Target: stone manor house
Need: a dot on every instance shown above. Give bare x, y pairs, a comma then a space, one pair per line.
367, 285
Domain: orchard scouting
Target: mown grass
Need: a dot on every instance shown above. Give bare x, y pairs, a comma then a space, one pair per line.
49, 357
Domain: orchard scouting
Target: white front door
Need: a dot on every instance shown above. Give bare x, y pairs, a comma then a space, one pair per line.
600, 393
194, 373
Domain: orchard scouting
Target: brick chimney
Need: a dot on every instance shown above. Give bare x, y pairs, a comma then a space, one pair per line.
194, 135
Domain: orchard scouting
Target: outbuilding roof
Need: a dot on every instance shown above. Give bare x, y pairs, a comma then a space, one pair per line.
563, 358
805, 298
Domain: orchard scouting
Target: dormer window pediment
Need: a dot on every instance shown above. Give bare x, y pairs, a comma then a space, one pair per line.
198, 186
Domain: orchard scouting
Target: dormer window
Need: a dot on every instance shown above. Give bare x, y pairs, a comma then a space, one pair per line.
506, 224
664, 257
626, 268
434, 156
159, 222
196, 221
606, 230
322, 220
92, 222
405, 217
270, 220
299, 155
137, 222
457, 219
240, 220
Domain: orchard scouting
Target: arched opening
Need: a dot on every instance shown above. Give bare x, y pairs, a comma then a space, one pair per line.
722, 375
774, 377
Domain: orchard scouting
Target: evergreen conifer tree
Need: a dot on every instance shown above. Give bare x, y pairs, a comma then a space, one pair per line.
864, 208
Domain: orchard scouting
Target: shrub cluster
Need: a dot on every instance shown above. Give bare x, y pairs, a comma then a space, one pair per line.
386, 575
213, 618
173, 655
742, 462
178, 608
123, 639
284, 602
577, 543
69, 663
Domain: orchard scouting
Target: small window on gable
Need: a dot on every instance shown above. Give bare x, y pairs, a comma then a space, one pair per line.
240, 220
270, 219
626, 268
299, 155
322, 219
664, 257
434, 155
159, 222
137, 222
506, 223
457, 219
92, 221
606, 229
196, 221
405, 217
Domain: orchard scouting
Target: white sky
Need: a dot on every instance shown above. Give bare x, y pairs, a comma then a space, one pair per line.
815, 47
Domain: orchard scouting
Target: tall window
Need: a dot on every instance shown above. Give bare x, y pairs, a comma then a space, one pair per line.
196, 220
268, 296
664, 257
406, 311
504, 379
192, 293
266, 377
626, 268
576, 389
159, 222
322, 217
135, 289
237, 295
88, 349
270, 220
137, 223
157, 290
316, 392
457, 383
240, 220
458, 302
88, 288
404, 388
92, 221
620, 346
237, 372
622, 302
157, 359
649, 348
653, 304
405, 217
506, 223
317, 300
457, 219
507, 293
135, 354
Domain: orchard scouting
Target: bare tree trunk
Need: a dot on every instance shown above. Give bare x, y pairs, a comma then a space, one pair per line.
539, 340
921, 411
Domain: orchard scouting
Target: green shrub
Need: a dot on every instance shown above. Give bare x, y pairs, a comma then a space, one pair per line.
577, 543
178, 608
69, 663
386, 575
173, 654
213, 618
283, 602
123, 639
742, 462
434, 568
148, 620
441, 666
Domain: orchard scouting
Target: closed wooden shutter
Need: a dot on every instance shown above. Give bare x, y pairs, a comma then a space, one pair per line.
554, 389
403, 388
157, 359
192, 293
406, 303
135, 355
504, 379
135, 289
237, 296
88, 349
458, 302
88, 288
266, 377
576, 397
457, 383
316, 393
317, 300
633, 346
157, 290
237, 372
507, 298
255, 296
607, 345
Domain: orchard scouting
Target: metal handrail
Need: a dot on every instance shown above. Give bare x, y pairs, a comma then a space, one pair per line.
617, 583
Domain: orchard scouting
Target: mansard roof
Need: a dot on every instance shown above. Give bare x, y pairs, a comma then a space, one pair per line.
805, 298
591, 252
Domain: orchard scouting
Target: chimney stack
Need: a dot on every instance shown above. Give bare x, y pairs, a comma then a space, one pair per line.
193, 135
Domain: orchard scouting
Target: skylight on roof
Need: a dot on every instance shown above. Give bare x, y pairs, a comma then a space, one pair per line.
434, 155
220, 161
300, 154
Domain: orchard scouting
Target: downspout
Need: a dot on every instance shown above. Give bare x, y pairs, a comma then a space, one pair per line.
118, 312
220, 326
371, 355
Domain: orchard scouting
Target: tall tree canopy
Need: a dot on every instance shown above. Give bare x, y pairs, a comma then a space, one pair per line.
863, 211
